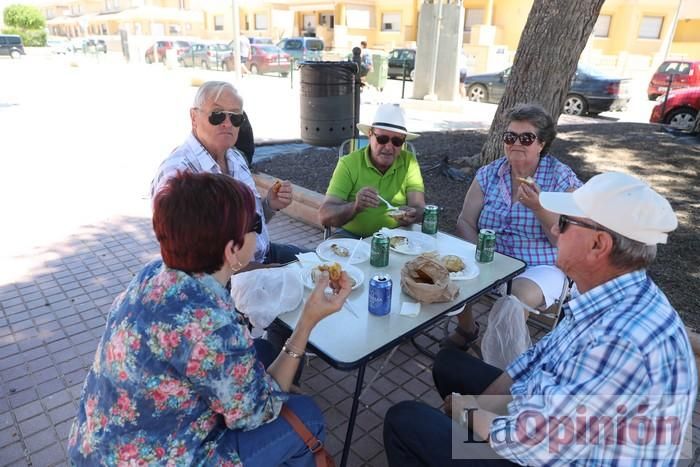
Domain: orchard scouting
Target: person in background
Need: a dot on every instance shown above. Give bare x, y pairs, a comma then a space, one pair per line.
382, 168
504, 197
366, 57
177, 378
613, 384
217, 116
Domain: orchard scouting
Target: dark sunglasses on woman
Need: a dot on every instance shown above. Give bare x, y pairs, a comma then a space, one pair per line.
526, 139
257, 224
395, 140
218, 117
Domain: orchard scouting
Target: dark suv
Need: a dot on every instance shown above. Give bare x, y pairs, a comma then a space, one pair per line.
11, 45
398, 58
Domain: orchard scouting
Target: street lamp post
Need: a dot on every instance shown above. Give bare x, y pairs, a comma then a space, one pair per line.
236, 41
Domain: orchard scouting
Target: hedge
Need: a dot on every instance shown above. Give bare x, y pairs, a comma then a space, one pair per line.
30, 37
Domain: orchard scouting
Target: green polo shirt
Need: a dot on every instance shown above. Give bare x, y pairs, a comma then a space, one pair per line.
356, 171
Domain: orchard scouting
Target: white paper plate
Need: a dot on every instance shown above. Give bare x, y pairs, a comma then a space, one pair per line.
470, 271
361, 255
356, 274
418, 242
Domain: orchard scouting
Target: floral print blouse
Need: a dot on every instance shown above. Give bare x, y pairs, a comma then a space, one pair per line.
175, 369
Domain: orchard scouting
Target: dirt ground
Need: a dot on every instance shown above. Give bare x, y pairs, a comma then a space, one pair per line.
667, 162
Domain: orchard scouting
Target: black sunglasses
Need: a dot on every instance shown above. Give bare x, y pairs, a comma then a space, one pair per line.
526, 139
395, 140
218, 117
257, 224
566, 220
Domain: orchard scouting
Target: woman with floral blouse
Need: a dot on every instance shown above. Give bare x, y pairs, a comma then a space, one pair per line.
177, 378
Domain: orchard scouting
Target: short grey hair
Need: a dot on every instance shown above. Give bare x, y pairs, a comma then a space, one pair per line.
630, 254
538, 117
212, 90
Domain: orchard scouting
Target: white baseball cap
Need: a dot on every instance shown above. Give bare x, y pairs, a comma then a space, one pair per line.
618, 202
388, 117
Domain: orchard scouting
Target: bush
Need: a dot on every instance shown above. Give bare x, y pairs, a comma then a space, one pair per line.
30, 38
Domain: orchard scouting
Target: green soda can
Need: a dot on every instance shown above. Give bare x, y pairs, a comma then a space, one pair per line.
379, 253
430, 219
485, 246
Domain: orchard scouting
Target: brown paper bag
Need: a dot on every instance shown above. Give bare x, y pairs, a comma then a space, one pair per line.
427, 281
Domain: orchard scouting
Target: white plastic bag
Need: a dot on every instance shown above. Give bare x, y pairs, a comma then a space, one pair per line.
262, 294
506, 335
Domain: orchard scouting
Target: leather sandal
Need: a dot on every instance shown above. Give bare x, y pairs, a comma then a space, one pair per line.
469, 339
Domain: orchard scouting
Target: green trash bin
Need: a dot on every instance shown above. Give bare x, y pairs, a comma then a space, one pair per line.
380, 68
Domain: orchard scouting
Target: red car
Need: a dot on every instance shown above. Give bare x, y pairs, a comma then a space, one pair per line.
684, 74
681, 109
162, 46
268, 58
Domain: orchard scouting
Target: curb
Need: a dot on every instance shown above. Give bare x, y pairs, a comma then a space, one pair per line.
305, 203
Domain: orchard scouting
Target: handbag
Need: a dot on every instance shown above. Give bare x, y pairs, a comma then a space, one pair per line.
315, 445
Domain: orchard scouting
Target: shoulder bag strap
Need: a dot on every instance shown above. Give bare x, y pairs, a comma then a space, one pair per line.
314, 444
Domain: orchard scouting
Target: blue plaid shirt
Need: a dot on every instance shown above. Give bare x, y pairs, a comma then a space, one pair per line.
614, 383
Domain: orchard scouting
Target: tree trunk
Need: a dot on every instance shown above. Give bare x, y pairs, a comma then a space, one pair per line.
554, 36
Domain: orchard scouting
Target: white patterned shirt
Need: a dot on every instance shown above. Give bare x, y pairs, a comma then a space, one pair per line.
193, 157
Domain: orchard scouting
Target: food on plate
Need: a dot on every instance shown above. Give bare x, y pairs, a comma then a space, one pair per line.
276, 186
399, 242
452, 263
334, 272
340, 250
528, 180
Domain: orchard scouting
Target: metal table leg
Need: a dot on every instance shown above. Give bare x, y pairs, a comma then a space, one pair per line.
353, 414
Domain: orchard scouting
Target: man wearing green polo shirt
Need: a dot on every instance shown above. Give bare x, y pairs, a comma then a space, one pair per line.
380, 169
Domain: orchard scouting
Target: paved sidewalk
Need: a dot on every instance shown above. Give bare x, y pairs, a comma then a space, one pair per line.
52, 317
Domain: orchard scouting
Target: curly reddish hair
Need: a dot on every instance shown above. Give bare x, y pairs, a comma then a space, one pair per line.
196, 214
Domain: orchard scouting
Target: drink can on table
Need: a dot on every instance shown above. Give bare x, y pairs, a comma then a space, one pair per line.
430, 219
380, 295
379, 254
485, 246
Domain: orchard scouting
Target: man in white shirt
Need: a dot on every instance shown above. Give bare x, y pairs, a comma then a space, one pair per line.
217, 115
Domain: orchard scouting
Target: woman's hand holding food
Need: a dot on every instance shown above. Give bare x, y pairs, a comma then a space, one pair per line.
320, 304
529, 194
279, 196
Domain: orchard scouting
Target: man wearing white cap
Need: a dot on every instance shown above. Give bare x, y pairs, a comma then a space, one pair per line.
380, 169
614, 383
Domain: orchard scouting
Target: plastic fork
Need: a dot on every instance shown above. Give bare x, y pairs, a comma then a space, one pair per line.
388, 204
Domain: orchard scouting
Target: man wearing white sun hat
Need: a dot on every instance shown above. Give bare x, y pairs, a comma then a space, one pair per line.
614, 383
383, 169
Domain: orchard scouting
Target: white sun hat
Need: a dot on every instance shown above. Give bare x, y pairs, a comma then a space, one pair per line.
618, 202
388, 117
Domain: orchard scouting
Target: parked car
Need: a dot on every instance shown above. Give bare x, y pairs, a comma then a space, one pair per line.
88, 44
302, 48
396, 61
59, 45
681, 109
260, 40
162, 46
206, 54
264, 58
686, 73
590, 91
11, 45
